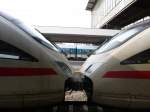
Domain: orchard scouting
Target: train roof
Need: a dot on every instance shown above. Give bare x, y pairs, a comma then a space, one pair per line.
32, 32
143, 23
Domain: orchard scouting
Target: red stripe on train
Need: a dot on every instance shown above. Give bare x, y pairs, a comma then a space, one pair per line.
128, 74
26, 71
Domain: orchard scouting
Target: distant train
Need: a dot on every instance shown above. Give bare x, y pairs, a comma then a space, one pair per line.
120, 69
32, 69
77, 51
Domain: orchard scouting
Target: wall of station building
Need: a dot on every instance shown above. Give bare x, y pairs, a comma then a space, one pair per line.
105, 10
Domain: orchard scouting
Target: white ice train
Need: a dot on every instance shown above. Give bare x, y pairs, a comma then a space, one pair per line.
120, 69
32, 71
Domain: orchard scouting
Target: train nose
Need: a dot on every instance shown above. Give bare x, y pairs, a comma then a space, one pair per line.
64, 68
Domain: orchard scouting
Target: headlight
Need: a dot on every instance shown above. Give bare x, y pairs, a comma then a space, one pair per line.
64, 68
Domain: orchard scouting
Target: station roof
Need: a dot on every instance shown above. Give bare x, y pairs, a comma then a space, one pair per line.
76, 35
134, 11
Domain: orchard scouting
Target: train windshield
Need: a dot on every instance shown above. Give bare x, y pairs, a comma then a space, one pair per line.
119, 39
29, 30
36, 35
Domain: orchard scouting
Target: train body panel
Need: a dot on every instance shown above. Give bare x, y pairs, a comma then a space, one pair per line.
32, 71
121, 75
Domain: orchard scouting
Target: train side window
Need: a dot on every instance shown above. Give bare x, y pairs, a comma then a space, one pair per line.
140, 58
8, 51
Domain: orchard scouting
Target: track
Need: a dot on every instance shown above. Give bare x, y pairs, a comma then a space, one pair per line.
73, 107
